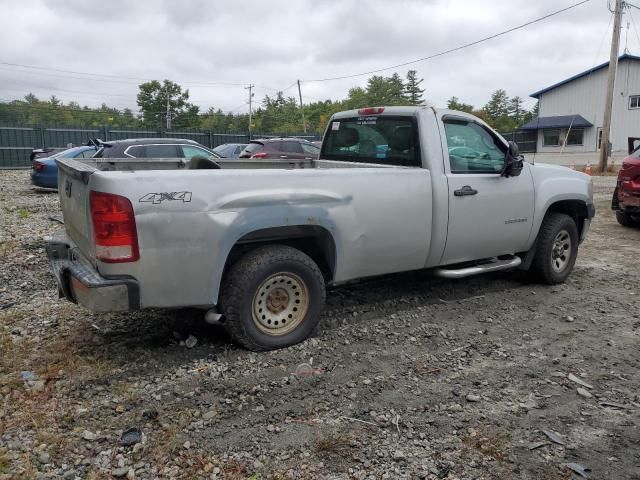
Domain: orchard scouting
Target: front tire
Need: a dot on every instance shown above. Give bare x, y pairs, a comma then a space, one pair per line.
272, 298
556, 248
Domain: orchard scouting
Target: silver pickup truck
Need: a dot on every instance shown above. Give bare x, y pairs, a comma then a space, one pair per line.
255, 242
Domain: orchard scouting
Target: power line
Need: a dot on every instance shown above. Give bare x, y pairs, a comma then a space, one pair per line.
21, 105
119, 77
451, 50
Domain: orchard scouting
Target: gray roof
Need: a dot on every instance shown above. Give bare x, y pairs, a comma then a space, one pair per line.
626, 56
562, 121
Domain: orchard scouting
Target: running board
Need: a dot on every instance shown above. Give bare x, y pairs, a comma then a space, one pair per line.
492, 266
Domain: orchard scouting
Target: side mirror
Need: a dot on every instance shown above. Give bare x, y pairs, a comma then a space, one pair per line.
514, 162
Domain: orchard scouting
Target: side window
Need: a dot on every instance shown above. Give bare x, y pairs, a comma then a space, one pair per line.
273, 147
239, 148
136, 151
295, 147
190, 152
161, 151
310, 148
472, 149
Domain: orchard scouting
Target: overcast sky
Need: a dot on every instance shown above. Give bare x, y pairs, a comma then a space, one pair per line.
274, 43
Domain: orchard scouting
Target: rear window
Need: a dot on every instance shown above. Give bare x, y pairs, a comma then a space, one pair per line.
373, 139
253, 147
291, 146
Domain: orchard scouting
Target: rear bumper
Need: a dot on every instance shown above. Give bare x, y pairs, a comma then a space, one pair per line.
79, 281
44, 180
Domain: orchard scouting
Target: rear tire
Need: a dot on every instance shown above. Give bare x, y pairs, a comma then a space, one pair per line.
272, 298
625, 219
556, 248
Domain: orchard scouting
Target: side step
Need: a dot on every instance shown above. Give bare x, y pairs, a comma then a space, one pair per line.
492, 265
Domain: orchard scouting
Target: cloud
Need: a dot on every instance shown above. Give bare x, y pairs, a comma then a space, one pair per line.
273, 44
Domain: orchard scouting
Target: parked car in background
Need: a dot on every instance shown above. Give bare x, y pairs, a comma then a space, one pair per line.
154, 148
284, 148
230, 150
626, 196
44, 170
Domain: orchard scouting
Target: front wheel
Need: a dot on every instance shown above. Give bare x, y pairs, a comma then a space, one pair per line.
556, 248
272, 298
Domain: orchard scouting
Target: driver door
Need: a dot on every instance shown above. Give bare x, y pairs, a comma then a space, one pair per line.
489, 215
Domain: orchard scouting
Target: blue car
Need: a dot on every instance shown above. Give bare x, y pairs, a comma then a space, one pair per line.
44, 173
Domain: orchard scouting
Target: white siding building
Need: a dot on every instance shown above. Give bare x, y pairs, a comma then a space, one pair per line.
571, 112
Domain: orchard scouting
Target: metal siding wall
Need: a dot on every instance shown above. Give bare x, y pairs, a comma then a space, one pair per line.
586, 97
625, 122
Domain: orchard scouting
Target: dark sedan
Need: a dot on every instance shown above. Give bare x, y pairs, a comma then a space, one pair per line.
44, 171
230, 150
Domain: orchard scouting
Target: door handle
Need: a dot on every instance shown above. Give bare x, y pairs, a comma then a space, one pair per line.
284, 156
464, 191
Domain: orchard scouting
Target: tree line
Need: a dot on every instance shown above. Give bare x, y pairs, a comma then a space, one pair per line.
274, 114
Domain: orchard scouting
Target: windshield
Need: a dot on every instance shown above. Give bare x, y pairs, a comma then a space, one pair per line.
373, 139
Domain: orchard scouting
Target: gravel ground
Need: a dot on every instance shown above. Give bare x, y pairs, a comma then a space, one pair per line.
410, 377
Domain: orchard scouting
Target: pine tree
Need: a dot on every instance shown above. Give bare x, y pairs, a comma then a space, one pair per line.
454, 104
412, 91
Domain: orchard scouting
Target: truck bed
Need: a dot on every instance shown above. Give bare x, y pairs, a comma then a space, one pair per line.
188, 221
90, 165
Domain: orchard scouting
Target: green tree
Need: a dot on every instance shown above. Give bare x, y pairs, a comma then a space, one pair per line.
516, 110
497, 111
454, 104
153, 98
387, 91
412, 90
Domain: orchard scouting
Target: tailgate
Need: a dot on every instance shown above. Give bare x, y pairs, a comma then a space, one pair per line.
73, 188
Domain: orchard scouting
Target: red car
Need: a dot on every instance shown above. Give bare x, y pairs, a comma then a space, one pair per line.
626, 197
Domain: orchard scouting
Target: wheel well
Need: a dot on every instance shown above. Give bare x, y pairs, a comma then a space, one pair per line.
576, 209
312, 240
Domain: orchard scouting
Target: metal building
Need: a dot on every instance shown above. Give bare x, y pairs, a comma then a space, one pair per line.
571, 111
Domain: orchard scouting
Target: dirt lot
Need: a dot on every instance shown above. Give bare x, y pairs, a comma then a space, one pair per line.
415, 377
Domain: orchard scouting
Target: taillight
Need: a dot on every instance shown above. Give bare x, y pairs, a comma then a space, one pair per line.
114, 228
38, 167
371, 111
259, 155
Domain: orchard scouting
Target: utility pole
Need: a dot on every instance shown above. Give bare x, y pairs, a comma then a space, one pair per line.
250, 87
613, 66
168, 109
304, 124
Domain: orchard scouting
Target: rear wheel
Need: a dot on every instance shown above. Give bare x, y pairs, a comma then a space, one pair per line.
625, 219
272, 298
556, 248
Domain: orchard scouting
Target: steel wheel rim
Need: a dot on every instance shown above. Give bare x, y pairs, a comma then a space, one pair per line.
561, 251
280, 304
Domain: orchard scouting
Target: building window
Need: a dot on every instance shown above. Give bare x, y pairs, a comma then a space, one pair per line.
599, 137
551, 138
634, 101
575, 137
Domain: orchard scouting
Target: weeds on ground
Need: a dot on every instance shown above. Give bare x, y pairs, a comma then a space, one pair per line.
492, 444
334, 443
4, 462
24, 213
7, 247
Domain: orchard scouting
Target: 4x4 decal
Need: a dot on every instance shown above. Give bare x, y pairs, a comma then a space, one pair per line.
157, 198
